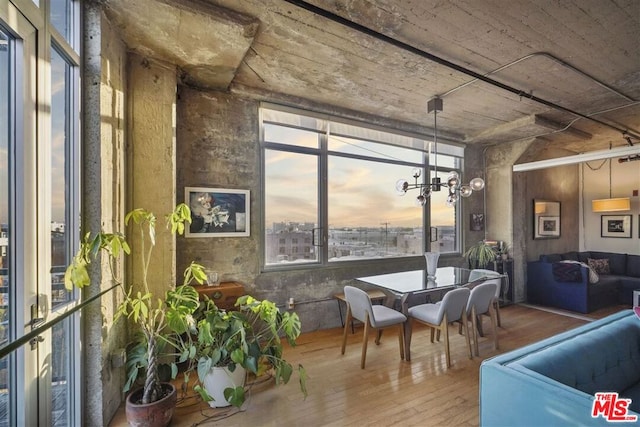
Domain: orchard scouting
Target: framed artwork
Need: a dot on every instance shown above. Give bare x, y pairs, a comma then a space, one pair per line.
217, 212
616, 226
546, 219
477, 222
549, 226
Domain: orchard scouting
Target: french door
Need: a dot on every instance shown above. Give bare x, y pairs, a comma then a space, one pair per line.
38, 381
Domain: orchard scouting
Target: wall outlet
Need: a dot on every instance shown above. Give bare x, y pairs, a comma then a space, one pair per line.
291, 303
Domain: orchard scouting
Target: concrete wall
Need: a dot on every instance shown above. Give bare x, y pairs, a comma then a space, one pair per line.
218, 146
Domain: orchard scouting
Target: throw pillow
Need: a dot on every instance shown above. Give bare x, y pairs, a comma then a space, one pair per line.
566, 272
601, 266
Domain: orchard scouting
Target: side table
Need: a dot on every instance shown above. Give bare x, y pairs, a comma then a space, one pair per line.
224, 295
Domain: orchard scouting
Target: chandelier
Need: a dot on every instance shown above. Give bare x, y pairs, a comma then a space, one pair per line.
453, 184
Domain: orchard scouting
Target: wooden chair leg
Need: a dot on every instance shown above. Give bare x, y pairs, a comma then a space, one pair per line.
364, 342
474, 327
493, 315
497, 307
467, 333
401, 339
378, 336
433, 331
346, 327
445, 331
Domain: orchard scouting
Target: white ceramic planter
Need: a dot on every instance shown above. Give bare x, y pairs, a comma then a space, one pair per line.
218, 379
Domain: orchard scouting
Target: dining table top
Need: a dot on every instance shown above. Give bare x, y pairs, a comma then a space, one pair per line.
408, 282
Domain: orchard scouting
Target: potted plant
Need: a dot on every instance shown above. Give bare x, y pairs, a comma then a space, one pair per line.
235, 341
480, 255
161, 322
503, 250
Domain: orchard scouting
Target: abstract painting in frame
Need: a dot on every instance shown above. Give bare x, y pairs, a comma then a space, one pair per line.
217, 212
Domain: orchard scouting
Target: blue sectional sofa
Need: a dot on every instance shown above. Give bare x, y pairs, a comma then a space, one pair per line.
553, 382
553, 283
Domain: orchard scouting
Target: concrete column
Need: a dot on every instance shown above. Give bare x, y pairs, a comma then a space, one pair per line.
152, 163
503, 217
103, 91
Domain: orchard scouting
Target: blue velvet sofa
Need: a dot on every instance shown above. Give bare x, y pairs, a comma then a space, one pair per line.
548, 285
553, 382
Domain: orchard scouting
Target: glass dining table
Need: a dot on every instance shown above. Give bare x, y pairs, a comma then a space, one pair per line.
406, 286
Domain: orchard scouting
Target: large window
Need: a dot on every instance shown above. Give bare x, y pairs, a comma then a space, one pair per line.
329, 191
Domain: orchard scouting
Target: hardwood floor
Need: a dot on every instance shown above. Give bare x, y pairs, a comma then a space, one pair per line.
389, 391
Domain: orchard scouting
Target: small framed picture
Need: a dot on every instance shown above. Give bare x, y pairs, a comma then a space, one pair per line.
477, 222
616, 226
549, 226
217, 212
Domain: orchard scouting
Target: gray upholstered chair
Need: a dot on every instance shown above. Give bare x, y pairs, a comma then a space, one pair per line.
378, 317
481, 303
451, 309
496, 278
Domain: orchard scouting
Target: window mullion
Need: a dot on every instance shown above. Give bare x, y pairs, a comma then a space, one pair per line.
323, 196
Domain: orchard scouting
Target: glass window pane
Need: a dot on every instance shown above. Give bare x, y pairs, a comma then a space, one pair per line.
291, 136
60, 387
343, 144
291, 207
61, 16
5, 167
443, 218
366, 217
60, 70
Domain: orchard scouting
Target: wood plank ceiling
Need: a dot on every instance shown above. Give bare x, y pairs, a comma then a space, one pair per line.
576, 55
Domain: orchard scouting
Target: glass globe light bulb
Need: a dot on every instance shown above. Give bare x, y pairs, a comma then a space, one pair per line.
453, 179
465, 190
402, 186
416, 172
450, 202
477, 184
421, 200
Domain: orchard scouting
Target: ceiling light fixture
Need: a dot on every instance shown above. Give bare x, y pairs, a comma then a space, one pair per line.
611, 204
453, 183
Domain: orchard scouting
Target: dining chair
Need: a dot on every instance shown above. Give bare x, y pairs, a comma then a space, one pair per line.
481, 303
378, 317
451, 309
496, 278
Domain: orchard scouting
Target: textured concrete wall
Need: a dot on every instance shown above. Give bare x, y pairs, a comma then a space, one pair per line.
102, 206
218, 146
151, 167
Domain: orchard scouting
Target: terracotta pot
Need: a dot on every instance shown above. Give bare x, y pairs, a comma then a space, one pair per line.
155, 414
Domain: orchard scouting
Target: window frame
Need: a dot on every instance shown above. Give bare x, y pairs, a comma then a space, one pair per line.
323, 153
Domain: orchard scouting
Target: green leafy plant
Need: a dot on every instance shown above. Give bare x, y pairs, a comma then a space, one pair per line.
480, 255
249, 337
161, 322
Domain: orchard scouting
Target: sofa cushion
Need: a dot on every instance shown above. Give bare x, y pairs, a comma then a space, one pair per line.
633, 393
551, 258
633, 265
566, 272
584, 256
617, 262
570, 256
601, 266
606, 358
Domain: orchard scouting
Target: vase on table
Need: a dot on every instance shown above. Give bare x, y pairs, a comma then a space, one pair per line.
432, 263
